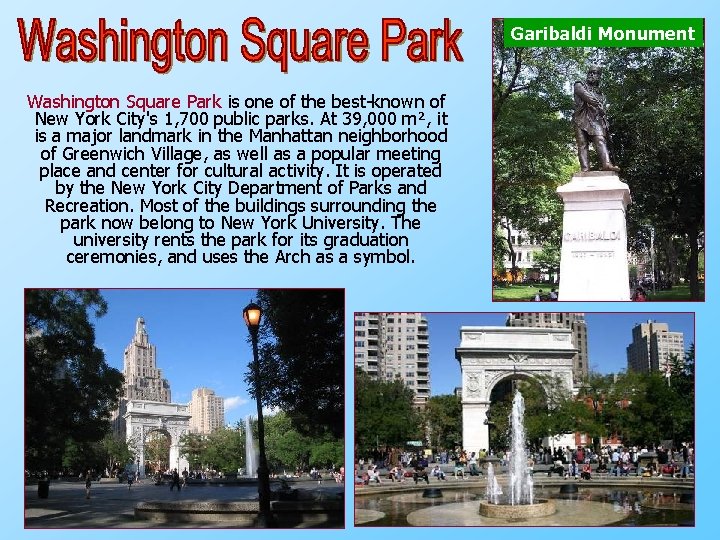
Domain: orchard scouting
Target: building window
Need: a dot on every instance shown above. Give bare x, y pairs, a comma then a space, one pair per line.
359, 343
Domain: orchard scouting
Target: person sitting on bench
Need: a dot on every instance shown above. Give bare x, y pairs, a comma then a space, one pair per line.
557, 468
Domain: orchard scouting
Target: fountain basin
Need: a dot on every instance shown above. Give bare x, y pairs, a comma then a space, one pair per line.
541, 508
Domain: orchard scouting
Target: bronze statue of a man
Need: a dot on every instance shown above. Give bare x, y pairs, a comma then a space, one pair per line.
590, 121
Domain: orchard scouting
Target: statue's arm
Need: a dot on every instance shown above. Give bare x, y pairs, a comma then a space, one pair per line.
586, 96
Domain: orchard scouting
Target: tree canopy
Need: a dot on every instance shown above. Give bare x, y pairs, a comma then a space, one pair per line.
384, 413
286, 448
70, 390
659, 138
443, 416
639, 408
302, 343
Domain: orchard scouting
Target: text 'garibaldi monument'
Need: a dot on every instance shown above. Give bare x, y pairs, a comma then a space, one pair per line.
593, 259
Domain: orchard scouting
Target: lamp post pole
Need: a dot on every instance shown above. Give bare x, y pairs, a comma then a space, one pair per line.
252, 315
596, 440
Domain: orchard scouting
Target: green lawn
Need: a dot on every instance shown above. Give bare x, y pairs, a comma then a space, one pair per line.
677, 293
523, 293
519, 293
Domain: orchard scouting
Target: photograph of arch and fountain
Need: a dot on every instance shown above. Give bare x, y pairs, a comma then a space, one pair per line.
184, 408
524, 419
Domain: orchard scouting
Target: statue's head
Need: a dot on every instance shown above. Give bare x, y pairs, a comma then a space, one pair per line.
594, 73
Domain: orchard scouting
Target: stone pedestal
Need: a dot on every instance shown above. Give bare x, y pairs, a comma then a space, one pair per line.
593, 259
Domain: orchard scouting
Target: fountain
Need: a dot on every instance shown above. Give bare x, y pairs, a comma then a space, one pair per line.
590, 507
250, 452
519, 503
493, 489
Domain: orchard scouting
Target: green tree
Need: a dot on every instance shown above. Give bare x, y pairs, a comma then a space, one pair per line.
78, 458
286, 447
225, 450
327, 454
384, 413
532, 137
193, 447
597, 394
157, 450
116, 450
547, 260
302, 340
69, 388
443, 415
646, 408
658, 120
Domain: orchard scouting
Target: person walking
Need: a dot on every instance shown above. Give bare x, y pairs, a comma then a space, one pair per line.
175, 480
88, 484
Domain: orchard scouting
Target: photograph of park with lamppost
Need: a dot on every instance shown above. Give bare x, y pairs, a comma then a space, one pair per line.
598, 165
524, 419
184, 408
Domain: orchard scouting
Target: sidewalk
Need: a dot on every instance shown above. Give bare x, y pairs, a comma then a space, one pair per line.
112, 505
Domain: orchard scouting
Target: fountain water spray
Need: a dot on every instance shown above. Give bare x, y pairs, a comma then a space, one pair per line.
520, 503
521, 482
251, 461
493, 489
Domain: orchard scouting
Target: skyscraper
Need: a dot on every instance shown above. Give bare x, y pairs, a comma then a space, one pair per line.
573, 321
653, 346
395, 346
207, 410
143, 380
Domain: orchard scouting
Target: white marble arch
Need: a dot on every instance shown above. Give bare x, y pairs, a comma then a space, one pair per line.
144, 417
489, 355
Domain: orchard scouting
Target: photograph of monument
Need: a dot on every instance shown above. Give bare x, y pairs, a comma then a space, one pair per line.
184, 408
598, 172
524, 419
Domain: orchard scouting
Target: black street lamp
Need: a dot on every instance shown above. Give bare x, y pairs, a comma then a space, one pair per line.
252, 314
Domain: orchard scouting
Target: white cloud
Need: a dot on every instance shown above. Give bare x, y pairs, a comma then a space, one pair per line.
234, 402
270, 411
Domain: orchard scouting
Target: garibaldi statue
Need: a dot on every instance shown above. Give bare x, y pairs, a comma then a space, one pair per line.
590, 121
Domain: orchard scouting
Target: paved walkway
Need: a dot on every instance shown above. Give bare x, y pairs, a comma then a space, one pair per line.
112, 505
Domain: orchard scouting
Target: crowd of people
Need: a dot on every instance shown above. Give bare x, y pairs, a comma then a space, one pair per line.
581, 463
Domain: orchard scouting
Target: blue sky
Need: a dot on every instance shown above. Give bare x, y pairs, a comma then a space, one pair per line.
200, 336
608, 336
